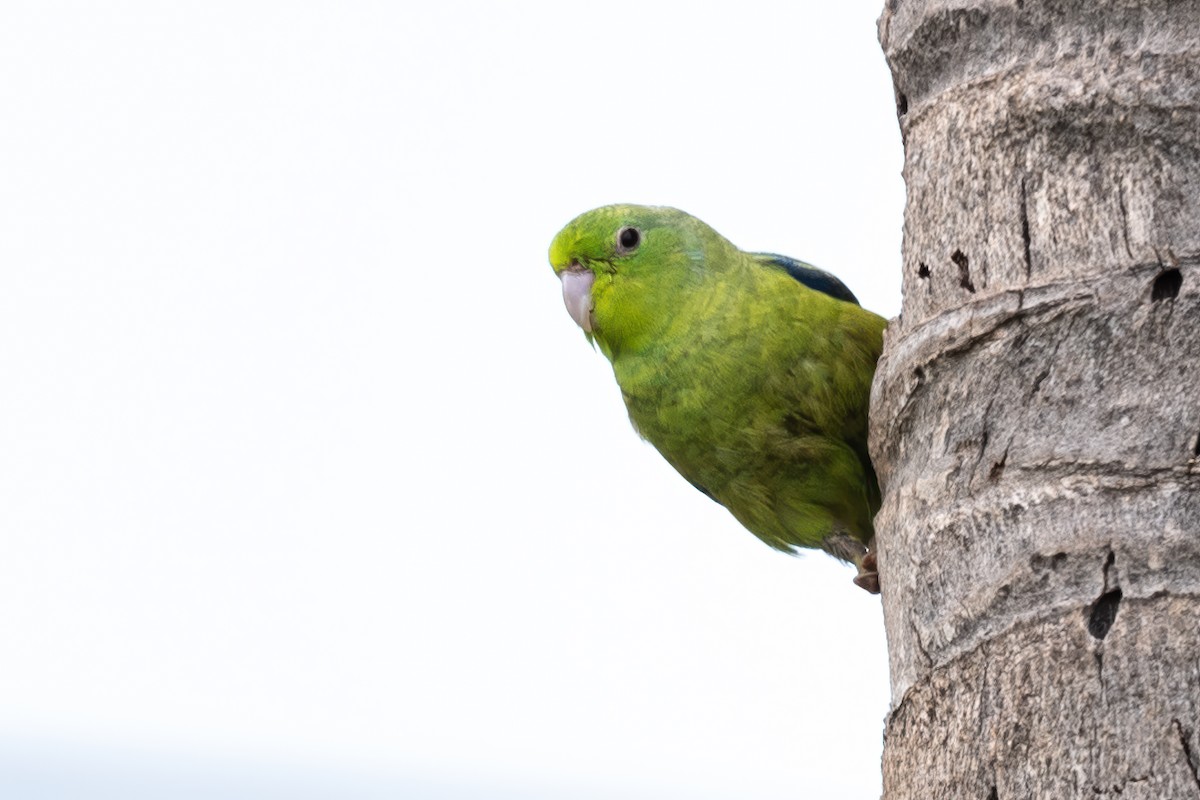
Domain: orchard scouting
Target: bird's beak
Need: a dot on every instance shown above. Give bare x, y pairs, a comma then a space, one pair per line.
577, 294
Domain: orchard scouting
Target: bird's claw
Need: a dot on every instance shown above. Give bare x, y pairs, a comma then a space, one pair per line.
868, 574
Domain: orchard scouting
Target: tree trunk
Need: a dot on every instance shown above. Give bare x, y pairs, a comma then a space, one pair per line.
1036, 412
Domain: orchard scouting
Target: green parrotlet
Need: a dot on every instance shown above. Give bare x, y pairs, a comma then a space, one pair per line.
750, 372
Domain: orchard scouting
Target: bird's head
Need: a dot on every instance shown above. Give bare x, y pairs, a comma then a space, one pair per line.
623, 268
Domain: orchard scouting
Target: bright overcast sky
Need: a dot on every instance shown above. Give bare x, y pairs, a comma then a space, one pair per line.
306, 469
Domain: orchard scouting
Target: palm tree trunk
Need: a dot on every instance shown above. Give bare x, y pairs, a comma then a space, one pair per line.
1036, 413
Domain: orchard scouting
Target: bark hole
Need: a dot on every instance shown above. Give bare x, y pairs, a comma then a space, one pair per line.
998, 467
901, 103
1104, 613
922, 270
1166, 285
964, 270
993, 794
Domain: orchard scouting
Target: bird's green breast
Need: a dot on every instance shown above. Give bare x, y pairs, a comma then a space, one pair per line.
756, 392
696, 390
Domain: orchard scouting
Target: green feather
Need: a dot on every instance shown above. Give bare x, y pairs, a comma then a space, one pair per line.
751, 383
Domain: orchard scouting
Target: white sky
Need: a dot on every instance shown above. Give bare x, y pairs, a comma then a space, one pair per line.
303, 460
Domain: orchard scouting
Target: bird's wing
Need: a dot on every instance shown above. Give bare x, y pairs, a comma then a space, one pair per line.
816, 279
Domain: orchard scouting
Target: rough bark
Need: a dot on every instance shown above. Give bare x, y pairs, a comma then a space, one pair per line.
1036, 414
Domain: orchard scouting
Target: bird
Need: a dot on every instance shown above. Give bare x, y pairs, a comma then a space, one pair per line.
749, 372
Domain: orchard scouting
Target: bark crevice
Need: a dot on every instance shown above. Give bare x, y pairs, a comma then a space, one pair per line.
1190, 757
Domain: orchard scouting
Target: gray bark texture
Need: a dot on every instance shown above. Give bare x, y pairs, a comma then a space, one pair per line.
1036, 413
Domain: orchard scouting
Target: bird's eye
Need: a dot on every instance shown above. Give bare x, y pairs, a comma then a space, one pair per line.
628, 240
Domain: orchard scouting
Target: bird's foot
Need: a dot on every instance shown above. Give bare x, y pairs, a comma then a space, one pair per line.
868, 573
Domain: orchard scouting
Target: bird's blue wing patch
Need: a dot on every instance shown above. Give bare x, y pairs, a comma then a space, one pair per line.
816, 279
